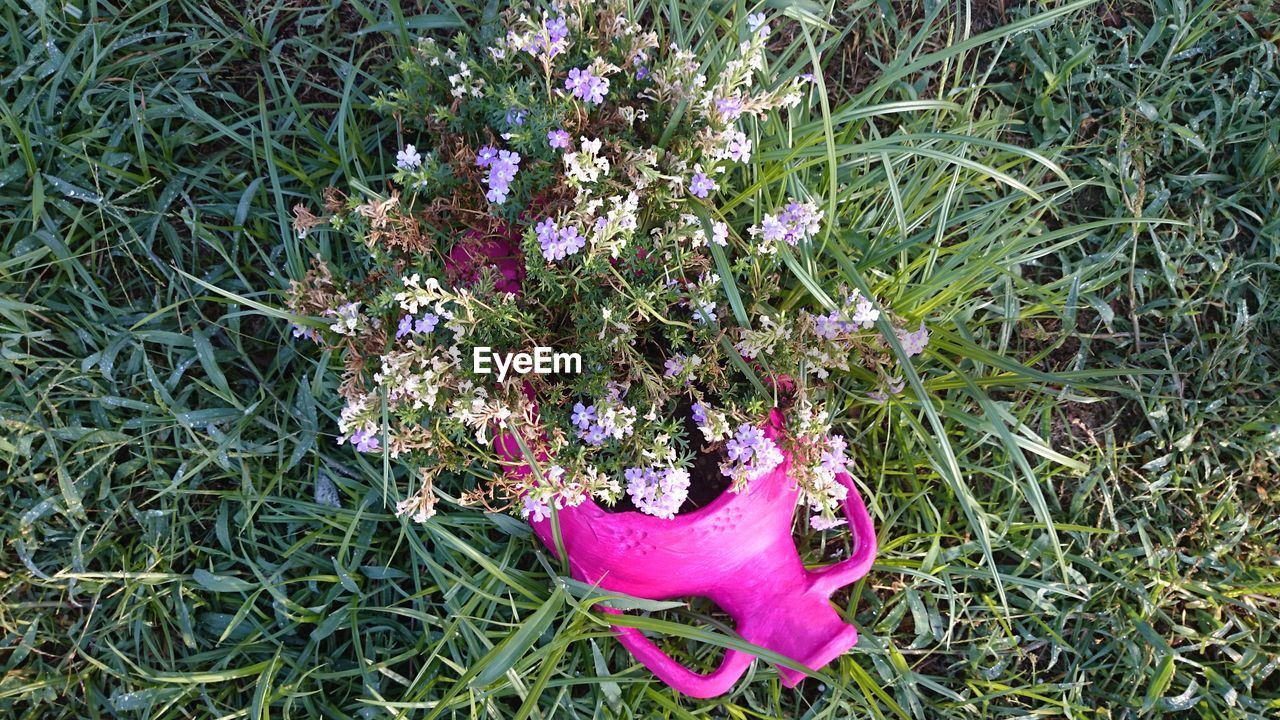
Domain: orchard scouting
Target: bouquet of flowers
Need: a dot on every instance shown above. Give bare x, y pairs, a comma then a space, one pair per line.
574, 249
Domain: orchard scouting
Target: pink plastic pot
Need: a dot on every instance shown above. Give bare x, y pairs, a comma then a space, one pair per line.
736, 551
500, 251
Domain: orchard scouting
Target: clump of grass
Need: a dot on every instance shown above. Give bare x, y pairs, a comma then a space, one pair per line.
182, 538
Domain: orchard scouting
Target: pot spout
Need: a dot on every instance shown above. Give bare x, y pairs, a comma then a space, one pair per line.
801, 626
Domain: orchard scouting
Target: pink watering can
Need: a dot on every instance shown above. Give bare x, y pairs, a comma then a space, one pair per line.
738, 552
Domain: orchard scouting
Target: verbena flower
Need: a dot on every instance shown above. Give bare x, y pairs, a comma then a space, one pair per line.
704, 313
796, 223
408, 158
892, 386
699, 413
502, 165
821, 522
587, 86
558, 139
701, 185
364, 441
515, 117
857, 313
545, 40
583, 416
730, 109
534, 510
658, 491
736, 146
750, 455
347, 318
913, 343
302, 331
682, 367
558, 243
609, 419
410, 325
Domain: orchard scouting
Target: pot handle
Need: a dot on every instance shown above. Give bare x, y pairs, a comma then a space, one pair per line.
833, 577
717, 682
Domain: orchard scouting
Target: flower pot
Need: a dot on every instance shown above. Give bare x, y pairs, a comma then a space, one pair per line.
736, 551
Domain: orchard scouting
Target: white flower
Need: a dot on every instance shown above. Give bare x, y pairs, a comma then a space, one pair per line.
756, 22
720, 233
586, 166
819, 522
408, 158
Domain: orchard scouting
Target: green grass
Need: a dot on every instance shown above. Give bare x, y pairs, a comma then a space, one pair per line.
1077, 494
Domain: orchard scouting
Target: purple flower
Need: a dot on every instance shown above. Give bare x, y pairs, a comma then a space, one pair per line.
720, 233
675, 366
797, 222
705, 312
833, 458
548, 234
364, 441
558, 139
534, 510
802, 220
828, 326
738, 451
658, 491
571, 240
894, 386
864, 311
409, 325
583, 415
503, 165
701, 185
300, 331
642, 72
586, 86
699, 414
680, 365
551, 39
738, 147
425, 324
857, 313
913, 343
729, 108
515, 116
772, 229
751, 455
558, 243
405, 327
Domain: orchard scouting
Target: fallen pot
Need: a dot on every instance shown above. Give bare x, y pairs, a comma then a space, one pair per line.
736, 551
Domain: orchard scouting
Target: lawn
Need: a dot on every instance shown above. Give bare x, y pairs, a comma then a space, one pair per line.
1076, 495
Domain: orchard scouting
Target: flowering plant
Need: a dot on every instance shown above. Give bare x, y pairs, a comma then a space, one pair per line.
573, 183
